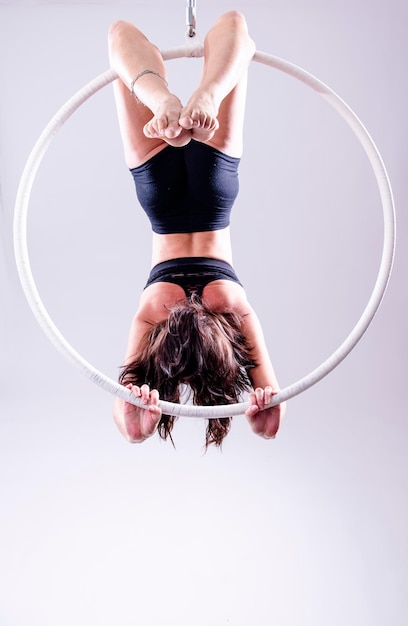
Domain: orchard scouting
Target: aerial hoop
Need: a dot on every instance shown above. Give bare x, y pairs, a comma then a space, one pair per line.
212, 412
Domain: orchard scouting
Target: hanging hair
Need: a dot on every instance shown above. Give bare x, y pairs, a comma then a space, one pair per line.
200, 348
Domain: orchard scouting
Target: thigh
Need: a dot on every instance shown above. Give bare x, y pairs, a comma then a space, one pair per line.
132, 117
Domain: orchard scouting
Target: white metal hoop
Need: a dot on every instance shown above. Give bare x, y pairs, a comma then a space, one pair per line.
54, 335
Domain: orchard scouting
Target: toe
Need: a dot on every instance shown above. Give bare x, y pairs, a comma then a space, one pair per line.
171, 127
186, 122
150, 131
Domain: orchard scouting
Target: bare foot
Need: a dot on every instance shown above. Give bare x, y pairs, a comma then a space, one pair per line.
200, 116
165, 123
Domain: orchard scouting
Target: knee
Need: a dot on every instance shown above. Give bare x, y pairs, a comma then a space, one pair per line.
117, 30
235, 22
233, 19
121, 31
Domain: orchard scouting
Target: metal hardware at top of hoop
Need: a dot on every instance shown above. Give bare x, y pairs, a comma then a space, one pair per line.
191, 18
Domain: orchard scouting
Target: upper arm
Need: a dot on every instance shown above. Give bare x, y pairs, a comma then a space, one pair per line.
227, 295
138, 329
263, 373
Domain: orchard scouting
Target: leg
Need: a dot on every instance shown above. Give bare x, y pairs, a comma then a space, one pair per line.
131, 53
215, 111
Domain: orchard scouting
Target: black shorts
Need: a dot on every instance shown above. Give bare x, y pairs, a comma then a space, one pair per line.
192, 273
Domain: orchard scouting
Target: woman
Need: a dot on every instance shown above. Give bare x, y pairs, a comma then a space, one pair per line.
194, 325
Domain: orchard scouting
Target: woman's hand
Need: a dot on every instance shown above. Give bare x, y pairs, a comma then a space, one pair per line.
136, 423
264, 422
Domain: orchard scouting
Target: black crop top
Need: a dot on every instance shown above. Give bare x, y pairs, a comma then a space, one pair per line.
188, 189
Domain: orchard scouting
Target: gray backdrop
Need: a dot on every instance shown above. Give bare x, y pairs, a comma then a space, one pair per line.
307, 530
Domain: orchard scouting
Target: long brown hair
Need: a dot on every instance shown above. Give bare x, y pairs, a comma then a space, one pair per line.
198, 347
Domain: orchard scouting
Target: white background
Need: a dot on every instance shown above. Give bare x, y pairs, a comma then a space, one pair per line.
306, 530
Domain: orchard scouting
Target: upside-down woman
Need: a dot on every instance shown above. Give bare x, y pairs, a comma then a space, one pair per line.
194, 326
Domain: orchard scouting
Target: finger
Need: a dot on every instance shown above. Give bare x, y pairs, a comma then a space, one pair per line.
155, 413
145, 393
154, 398
259, 393
135, 392
269, 392
251, 410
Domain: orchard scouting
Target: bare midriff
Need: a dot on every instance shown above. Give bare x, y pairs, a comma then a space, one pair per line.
214, 244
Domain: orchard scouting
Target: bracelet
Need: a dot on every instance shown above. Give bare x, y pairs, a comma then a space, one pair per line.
132, 84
